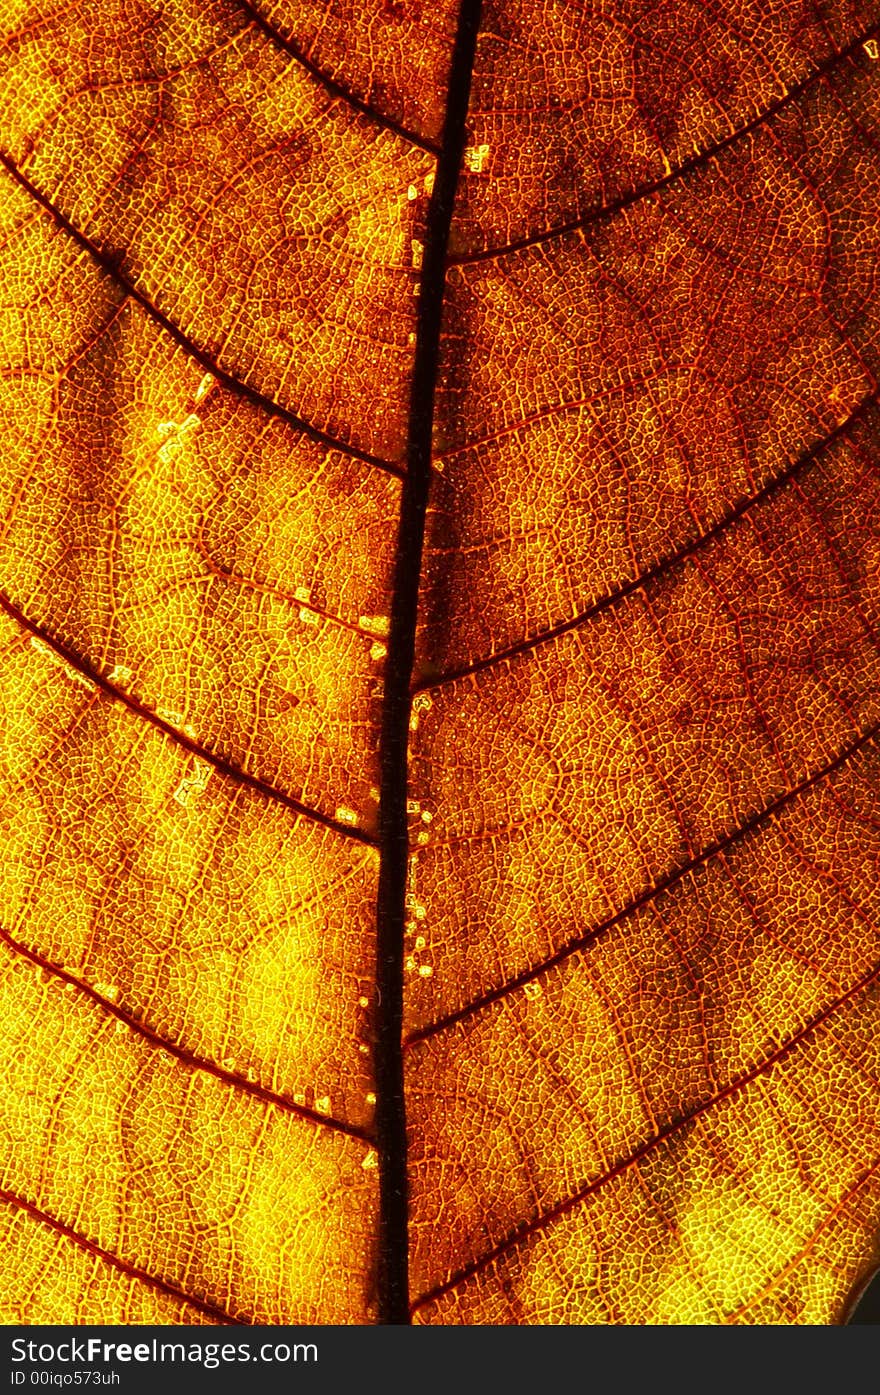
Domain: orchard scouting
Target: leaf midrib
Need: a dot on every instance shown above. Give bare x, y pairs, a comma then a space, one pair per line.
391, 1135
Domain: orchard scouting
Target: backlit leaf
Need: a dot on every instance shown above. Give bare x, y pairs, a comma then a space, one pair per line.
533, 865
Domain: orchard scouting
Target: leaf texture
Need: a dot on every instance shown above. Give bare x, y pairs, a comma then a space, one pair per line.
552, 840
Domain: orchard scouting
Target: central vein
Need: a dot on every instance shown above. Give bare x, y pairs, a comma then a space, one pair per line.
393, 827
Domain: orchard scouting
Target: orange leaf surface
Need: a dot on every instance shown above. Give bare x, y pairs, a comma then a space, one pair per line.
439, 590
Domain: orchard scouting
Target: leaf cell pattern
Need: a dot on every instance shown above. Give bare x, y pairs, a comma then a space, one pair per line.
439, 606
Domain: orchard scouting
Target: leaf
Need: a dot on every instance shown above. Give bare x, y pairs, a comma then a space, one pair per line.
439, 589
